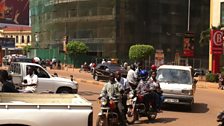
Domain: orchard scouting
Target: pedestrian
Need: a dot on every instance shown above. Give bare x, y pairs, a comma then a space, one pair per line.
7, 86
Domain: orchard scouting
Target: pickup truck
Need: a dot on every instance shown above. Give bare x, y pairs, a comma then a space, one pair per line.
30, 109
46, 82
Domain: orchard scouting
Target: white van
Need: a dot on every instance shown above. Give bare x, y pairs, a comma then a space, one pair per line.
46, 82
177, 84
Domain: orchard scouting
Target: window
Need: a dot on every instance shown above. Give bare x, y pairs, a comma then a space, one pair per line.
222, 14
22, 39
28, 39
39, 72
17, 39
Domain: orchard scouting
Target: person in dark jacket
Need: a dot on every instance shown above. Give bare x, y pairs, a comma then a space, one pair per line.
7, 85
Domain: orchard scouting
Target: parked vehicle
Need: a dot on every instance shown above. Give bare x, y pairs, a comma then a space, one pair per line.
102, 71
108, 116
220, 118
177, 84
46, 82
198, 72
27, 109
136, 109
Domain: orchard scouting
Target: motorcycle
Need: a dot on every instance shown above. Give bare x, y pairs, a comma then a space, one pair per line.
136, 109
220, 118
108, 116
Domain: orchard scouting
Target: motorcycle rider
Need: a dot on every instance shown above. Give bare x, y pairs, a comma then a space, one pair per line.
155, 87
143, 89
132, 77
112, 89
125, 88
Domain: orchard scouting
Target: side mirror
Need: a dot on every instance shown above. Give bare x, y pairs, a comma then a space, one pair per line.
55, 75
71, 76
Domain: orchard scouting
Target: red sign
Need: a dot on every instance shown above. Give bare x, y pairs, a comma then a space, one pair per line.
14, 12
188, 49
216, 45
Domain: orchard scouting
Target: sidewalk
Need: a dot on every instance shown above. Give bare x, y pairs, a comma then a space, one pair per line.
204, 84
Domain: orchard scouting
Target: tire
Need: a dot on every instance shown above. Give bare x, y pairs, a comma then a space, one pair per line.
101, 121
64, 90
131, 116
152, 116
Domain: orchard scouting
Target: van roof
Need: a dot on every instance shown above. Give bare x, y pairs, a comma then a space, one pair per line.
175, 67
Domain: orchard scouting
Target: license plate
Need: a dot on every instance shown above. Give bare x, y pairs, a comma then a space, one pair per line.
171, 100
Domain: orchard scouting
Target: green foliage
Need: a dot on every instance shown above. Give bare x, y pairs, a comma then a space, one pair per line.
210, 77
26, 49
205, 35
138, 52
76, 47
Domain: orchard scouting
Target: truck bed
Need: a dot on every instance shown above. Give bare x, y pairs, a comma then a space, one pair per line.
43, 99
44, 109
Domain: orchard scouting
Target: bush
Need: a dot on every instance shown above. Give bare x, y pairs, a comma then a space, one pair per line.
210, 77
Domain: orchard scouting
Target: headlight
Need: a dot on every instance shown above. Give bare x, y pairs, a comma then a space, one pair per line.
103, 101
187, 92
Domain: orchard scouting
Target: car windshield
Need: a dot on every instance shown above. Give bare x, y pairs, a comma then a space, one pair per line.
174, 76
114, 66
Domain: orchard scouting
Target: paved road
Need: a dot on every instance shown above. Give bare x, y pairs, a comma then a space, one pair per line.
208, 102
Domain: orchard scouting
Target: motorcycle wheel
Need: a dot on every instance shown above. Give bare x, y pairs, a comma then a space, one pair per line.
152, 115
131, 115
101, 121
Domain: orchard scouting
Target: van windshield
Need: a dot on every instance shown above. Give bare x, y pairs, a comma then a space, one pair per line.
174, 76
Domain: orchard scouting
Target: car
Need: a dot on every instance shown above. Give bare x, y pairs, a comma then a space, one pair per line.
102, 71
198, 71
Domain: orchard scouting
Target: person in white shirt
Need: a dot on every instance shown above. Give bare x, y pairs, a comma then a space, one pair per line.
30, 81
132, 77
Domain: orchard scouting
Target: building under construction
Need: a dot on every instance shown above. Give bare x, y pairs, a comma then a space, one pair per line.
110, 27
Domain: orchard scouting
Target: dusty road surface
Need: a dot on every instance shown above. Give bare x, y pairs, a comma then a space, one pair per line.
208, 103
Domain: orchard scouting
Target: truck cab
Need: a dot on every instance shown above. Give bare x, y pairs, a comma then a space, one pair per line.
46, 82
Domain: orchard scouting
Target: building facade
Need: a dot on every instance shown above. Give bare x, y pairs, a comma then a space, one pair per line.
21, 34
110, 27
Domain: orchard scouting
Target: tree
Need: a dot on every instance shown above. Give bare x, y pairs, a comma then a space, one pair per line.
26, 49
75, 48
205, 35
140, 52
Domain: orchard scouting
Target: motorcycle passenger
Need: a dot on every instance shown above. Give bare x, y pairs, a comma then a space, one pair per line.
112, 89
125, 88
155, 87
143, 89
132, 77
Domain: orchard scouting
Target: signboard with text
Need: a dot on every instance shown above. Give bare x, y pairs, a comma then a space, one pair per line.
7, 42
216, 42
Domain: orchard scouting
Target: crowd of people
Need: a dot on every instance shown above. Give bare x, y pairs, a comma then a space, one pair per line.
138, 80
